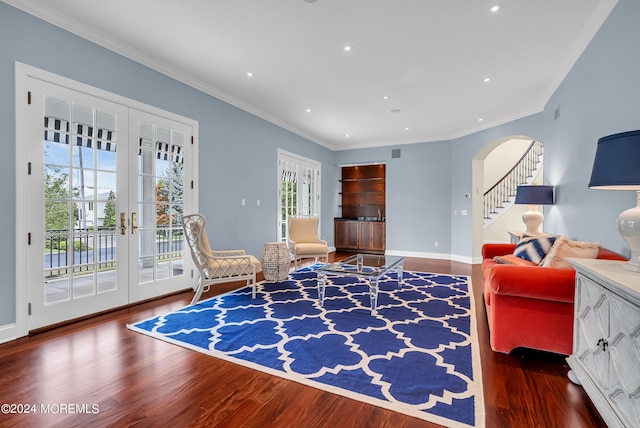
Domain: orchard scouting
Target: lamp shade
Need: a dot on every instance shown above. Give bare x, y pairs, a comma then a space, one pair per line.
617, 162
534, 195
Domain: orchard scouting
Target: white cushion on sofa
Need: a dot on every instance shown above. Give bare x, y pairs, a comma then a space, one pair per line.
565, 247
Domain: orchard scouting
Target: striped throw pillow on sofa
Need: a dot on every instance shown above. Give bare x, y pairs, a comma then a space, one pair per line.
534, 248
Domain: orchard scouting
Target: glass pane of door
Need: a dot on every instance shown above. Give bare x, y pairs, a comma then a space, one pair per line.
80, 257
299, 190
309, 191
160, 202
288, 195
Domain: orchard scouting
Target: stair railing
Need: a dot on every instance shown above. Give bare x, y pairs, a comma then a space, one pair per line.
506, 187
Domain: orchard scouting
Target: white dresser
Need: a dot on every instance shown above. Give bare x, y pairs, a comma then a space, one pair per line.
606, 339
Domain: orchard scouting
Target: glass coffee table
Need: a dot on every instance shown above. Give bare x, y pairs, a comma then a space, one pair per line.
368, 266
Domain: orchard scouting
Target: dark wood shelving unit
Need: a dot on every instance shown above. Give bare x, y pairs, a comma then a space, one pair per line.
363, 192
363, 206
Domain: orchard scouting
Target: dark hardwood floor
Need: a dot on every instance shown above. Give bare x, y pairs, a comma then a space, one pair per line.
135, 380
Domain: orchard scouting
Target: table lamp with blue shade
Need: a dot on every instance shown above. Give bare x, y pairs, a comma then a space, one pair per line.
617, 167
534, 196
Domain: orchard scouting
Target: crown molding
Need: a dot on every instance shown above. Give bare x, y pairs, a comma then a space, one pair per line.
49, 14
53, 17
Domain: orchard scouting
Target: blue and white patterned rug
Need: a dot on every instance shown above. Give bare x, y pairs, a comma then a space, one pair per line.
418, 355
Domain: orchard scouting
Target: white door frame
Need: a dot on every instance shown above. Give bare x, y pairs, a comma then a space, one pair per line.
23, 73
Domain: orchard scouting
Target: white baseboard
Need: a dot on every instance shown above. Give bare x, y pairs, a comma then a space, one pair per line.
423, 255
8, 333
438, 256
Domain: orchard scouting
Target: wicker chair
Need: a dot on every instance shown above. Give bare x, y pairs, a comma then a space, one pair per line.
216, 267
303, 241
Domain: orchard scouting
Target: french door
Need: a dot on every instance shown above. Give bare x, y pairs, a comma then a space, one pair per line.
157, 201
105, 190
299, 189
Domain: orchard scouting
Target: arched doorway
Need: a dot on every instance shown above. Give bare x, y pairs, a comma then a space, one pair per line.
488, 165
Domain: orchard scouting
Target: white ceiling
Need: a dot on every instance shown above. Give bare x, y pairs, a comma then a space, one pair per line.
429, 57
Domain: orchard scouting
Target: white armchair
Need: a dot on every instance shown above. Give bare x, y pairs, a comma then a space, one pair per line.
216, 267
303, 240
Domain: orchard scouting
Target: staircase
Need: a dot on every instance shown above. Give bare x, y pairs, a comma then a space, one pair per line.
502, 194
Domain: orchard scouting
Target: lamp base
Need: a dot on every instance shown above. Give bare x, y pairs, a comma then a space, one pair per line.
629, 228
533, 219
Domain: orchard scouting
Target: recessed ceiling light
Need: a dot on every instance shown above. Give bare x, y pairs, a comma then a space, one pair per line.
487, 79
348, 48
347, 135
406, 128
386, 97
495, 8
308, 110
249, 74
480, 120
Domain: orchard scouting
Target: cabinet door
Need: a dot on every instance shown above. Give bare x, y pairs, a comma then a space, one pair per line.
606, 343
591, 327
365, 235
346, 234
624, 350
372, 236
378, 236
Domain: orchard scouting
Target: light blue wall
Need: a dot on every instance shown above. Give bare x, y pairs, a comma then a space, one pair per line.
418, 194
600, 96
238, 151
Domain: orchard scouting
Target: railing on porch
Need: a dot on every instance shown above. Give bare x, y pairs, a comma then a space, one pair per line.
506, 187
82, 247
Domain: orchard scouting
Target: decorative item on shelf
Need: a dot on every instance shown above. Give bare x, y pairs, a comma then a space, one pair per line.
534, 196
617, 167
276, 261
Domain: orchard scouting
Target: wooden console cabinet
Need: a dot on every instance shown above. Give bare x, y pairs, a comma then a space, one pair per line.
606, 339
363, 203
357, 235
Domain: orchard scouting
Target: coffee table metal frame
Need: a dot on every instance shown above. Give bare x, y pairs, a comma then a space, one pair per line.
368, 266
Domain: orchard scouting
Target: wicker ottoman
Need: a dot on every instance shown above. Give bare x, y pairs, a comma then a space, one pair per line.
275, 261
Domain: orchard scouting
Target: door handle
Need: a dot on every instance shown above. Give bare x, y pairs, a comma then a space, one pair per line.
134, 223
123, 223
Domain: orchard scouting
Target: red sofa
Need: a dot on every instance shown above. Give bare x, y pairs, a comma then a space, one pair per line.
529, 306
